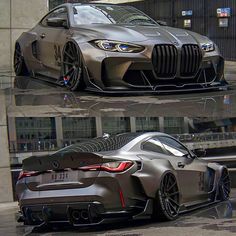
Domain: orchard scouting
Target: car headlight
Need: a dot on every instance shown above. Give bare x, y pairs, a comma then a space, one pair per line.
116, 46
208, 47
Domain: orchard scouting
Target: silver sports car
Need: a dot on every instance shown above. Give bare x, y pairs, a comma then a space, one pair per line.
112, 48
122, 177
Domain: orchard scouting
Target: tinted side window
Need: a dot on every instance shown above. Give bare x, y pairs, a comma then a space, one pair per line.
58, 13
153, 145
173, 147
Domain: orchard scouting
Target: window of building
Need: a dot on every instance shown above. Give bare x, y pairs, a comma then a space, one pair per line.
78, 128
144, 124
173, 125
115, 125
35, 133
54, 3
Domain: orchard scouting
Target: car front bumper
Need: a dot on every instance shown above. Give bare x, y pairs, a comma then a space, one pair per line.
109, 72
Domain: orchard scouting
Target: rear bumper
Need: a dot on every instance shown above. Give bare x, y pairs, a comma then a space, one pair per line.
81, 213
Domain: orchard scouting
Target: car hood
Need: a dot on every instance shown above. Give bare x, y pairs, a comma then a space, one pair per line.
129, 33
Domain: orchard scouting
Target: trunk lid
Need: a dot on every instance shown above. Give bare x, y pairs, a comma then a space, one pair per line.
60, 170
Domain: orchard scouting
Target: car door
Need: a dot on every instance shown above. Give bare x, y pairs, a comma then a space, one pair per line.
52, 38
191, 171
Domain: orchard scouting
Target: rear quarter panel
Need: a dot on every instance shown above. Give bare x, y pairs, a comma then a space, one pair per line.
151, 174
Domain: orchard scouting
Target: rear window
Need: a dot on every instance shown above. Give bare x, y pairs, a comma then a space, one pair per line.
101, 144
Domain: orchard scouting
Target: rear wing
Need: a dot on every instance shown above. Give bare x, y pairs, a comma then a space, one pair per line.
60, 161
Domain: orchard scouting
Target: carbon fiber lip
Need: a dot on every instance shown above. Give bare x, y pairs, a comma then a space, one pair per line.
160, 92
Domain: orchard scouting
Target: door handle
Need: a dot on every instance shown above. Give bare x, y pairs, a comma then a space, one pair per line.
181, 165
42, 36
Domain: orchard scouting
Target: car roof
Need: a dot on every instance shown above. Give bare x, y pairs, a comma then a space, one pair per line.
90, 4
109, 142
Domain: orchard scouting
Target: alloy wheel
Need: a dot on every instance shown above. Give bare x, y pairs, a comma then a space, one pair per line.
18, 60
169, 196
224, 185
72, 66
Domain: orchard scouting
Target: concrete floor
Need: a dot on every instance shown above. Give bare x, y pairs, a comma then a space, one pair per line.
216, 220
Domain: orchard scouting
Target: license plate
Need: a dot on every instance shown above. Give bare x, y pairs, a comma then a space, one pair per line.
65, 176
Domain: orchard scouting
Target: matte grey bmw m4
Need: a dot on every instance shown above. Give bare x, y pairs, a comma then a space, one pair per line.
112, 48
122, 177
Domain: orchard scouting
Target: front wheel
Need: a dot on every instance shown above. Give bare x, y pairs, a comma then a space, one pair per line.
224, 186
167, 202
72, 67
19, 62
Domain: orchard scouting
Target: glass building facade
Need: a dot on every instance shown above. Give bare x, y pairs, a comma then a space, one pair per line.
174, 125
35, 133
115, 125
147, 124
78, 128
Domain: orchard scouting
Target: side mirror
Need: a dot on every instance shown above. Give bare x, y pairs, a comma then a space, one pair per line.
57, 22
200, 152
162, 23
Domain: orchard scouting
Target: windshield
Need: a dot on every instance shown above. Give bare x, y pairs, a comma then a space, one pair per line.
101, 14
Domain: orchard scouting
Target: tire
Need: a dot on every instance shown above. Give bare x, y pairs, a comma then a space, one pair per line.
224, 186
167, 201
72, 67
19, 62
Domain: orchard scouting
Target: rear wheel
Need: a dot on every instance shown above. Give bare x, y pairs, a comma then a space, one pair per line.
167, 204
19, 62
224, 186
72, 67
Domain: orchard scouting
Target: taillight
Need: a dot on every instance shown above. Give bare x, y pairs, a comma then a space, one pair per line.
118, 166
24, 174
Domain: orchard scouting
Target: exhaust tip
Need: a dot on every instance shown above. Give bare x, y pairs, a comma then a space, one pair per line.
84, 215
75, 215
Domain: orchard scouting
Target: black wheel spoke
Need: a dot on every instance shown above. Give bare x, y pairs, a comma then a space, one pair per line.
171, 186
226, 188
165, 181
17, 62
167, 206
70, 56
71, 66
169, 194
168, 182
173, 207
70, 71
226, 176
18, 52
68, 63
174, 202
71, 49
174, 193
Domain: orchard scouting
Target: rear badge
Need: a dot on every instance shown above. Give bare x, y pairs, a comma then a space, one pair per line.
55, 164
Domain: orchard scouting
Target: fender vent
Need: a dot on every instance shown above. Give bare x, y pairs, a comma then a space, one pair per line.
35, 49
